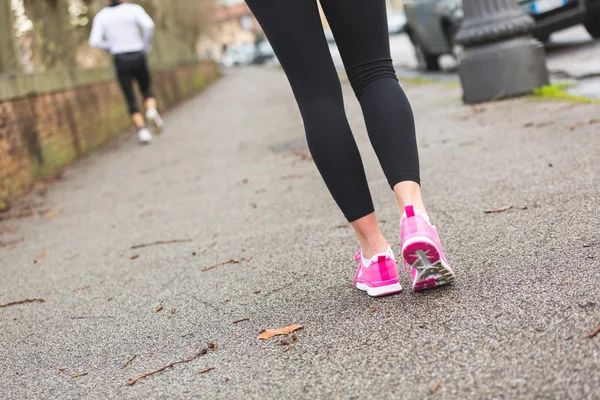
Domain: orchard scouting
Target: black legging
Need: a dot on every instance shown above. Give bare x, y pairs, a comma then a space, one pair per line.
295, 31
130, 67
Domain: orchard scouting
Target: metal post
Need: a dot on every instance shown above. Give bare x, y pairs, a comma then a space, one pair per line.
501, 58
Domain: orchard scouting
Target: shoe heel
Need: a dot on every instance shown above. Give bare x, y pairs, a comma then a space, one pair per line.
428, 275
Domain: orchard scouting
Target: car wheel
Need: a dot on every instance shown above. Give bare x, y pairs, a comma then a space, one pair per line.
450, 32
427, 62
592, 24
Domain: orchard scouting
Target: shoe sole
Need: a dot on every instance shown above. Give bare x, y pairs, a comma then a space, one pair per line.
158, 125
430, 269
380, 290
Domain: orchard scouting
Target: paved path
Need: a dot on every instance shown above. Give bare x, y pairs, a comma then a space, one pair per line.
515, 325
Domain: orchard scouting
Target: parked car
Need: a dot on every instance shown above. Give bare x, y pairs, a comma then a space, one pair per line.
396, 22
433, 24
263, 53
238, 54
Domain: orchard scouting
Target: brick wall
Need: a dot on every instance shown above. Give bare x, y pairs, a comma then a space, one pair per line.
40, 133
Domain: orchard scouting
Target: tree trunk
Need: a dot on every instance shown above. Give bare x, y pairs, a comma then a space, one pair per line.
9, 55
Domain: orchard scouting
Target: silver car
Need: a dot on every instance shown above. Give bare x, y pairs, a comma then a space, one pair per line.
432, 24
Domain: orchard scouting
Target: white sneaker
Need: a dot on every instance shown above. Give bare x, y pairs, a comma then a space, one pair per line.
144, 136
154, 117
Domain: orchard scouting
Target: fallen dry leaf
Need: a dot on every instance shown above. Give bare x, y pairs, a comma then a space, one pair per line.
284, 342
373, 309
436, 386
269, 333
133, 257
159, 308
79, 375
50, 214
498, 210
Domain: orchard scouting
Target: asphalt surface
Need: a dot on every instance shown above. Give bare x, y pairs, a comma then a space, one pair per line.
515, 324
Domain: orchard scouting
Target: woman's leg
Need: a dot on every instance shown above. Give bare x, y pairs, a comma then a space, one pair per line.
295, 31
361, 33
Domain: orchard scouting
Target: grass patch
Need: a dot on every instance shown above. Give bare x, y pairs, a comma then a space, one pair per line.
429, 81
559, 91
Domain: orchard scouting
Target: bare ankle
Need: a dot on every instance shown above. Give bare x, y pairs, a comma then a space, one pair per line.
377, 246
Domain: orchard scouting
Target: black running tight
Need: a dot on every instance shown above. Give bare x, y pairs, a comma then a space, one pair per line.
132, 67
360, 28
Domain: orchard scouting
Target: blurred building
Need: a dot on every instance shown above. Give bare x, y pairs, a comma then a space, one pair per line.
235, 23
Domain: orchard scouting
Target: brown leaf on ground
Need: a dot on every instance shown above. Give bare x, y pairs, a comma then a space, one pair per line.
22, 302
50, 214
594, 333
159, 308
294, 337
62, 369
436, 386
373, 309
133, 257
284, 342
205, 370
80, 375
269, 333
498, 210
11, 243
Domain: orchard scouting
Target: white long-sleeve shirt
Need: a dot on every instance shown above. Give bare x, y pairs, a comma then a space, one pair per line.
125, 28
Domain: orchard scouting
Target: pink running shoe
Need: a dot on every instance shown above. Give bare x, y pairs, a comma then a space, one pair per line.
422, 250
379, 277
